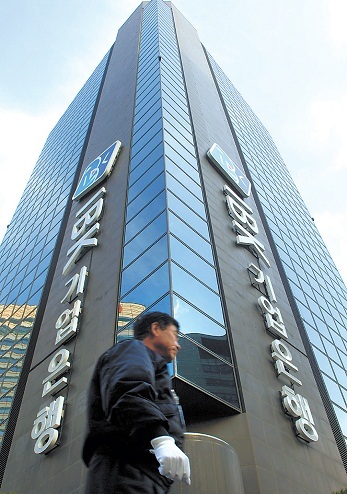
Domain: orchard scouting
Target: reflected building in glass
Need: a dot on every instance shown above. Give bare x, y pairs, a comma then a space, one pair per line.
206, 233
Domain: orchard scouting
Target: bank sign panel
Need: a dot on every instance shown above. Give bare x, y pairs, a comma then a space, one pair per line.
48, 423
97, 171
294, 404
229, 170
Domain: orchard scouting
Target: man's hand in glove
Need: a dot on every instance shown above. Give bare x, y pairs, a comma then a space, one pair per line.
174, 464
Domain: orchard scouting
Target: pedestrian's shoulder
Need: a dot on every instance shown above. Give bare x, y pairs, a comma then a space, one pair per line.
124, 346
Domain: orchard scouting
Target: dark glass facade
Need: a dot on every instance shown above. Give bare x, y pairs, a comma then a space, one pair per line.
168, 261
159, 236
314, 283
27, 249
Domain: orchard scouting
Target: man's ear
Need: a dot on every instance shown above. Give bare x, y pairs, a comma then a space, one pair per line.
155, 328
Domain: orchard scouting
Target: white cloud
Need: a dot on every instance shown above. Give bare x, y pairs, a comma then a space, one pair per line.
329, 129
337, 10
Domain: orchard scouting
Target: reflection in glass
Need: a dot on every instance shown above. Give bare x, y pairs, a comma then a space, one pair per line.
146, 100
146, 86
196, 293
144, 239
331, 350
193, 263
185, 195
148, 148
171, 115
147, 109
201, 328
188, 215
145, 216
207, 371
142, 163
334, 391
146, 138
2, 429
129, 311
184, 178
191, 292
144, 265
145, 179
189, 237
314, 337
147, 118
169, 140
324, 362
5, 405
145, 196
151, 289
181, 161
342, 417
340, 373
180, 133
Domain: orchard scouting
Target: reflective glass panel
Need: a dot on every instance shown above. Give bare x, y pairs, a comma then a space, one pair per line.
188, 215
144, 239
147, 110
142, 162
146, 196
206, 371
145, 216
151, 289
185, 195
144, 265
201, 328
145, 179
196, 293
128, 312
342, 418
148, 146
184, 178
146, 138
334, 391
150, 116
186, 163
193, 263
147, 123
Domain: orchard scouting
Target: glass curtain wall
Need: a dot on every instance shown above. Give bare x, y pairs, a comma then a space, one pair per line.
168, 262
27, 249
316, 285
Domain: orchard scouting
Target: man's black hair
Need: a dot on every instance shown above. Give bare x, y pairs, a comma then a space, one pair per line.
142, 326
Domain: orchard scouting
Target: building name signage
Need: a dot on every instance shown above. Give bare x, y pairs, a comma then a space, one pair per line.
295, 405
47, 425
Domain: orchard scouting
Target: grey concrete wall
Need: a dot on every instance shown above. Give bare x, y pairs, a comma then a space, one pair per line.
273, 460
62, 471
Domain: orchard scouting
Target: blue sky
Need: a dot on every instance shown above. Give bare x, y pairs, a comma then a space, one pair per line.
287, 58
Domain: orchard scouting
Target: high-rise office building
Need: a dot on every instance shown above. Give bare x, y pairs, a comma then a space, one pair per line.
159, 189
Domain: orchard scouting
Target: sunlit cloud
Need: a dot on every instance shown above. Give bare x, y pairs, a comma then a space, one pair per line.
329, 128
337, 12
179, 310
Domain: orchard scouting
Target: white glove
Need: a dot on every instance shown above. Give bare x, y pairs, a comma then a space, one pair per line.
174, 464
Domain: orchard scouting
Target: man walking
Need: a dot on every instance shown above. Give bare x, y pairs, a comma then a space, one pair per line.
135, 427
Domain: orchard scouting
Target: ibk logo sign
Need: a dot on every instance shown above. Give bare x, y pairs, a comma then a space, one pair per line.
97, 171
229, 170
